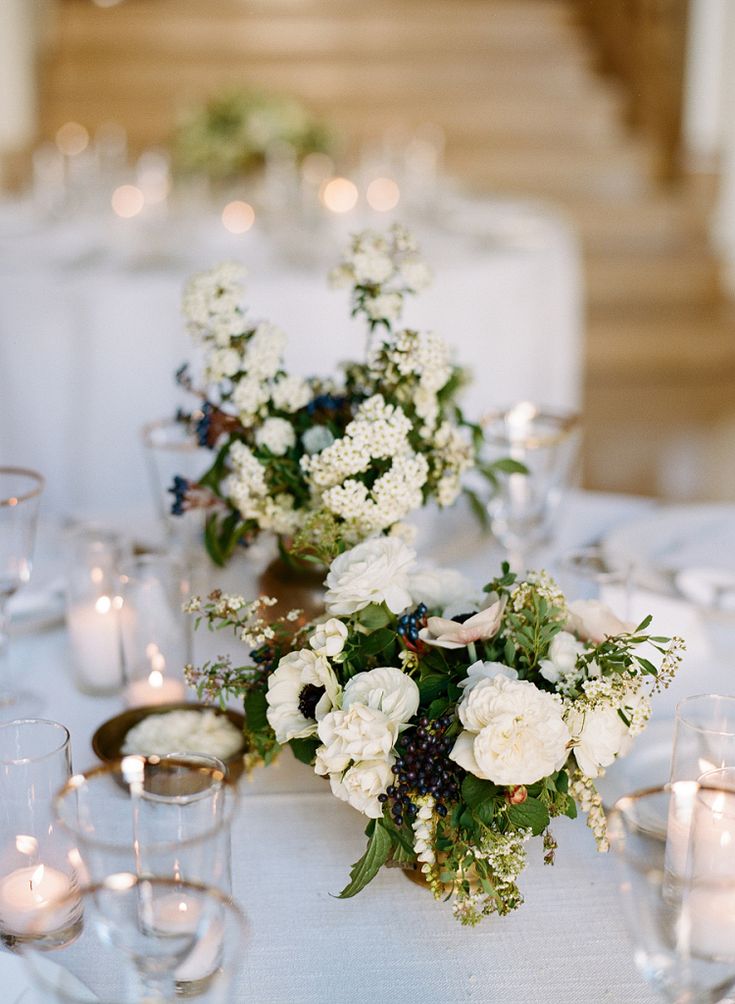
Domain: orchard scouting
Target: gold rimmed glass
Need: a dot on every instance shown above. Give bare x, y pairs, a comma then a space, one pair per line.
20, 497
704, 736
523, 510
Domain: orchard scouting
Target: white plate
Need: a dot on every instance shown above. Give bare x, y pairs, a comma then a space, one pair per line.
648, 764
665, 546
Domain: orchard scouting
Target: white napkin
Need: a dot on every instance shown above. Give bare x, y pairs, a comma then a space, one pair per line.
713, 588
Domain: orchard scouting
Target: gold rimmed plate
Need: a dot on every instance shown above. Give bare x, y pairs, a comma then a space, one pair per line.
108, 740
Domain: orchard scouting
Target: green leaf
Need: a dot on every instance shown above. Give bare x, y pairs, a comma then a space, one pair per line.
571, 809
562, 782
438, 707
530, 814
364, 870
508, 466
432, 687
255, 711
374, 617
476, 791
486, 811
304, 749
377, 642
478, 508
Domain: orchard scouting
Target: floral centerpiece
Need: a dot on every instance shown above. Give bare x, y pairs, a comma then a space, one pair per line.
460, 725
230, 135
323, 463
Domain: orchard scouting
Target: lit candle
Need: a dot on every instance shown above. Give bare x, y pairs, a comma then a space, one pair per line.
26, 895
177, 913
95, 643
155, 689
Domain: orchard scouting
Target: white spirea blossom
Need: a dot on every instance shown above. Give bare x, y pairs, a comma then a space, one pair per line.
264, 351
375, 571
222, 364
211, 304
362, 784
276, 435
329, 637
386, 688
249, 398
514, 732
295, 672
290, 393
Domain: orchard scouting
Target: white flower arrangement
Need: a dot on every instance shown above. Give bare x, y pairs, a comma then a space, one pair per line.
458, 735
324, 464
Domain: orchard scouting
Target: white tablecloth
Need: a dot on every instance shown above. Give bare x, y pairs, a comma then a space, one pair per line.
293, 845
91, 331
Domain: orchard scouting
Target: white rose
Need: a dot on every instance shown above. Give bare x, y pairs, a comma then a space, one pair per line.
438, 587
375, 571
276, 435
514, 733
486, 671
600, 735
329, 638
302, 682
592, 621
359, 733
362, 784
562, 660
386, 688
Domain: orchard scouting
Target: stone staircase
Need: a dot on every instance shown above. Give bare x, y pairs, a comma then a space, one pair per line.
514, 85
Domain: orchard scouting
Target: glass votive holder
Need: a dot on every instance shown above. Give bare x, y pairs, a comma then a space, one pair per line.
160, 815
37, 862
93, 608
147, 939
704, 736
156, 633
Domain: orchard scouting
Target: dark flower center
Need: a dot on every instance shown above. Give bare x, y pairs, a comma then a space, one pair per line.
309, 698
461, 618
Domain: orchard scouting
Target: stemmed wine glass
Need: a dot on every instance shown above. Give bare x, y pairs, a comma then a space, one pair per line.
20, 495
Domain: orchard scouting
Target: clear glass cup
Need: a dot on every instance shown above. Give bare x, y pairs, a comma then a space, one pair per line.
147, 940
671, 904
94, 555
704, 736
171, 450
586, 573
37, 862
523, 509
20, 497
158, 815
156, 633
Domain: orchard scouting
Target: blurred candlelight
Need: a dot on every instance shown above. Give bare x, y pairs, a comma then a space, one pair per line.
383, 194
238, 217
127, 201
72, 138
339, 195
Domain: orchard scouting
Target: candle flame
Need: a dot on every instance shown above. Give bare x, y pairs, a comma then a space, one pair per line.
383, 194
37, 876
103, 605
127, 201
96, 574
339, 195
238, 217
155, 678
183, 907
25, 844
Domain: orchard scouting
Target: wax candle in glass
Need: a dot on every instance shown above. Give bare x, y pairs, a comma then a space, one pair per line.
20, 497
156, 634
704, 736
672, 915
93, 608
523, 509
135, 947
37, 862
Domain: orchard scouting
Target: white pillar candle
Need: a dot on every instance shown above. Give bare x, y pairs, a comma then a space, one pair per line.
25, 898
154, 689
95, 643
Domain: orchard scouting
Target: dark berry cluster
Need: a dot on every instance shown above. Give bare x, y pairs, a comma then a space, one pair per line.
423, 767
326, 403
179, 489
410, 624
203, 427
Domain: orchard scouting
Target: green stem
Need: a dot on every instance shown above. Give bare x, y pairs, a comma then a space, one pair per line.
472, 652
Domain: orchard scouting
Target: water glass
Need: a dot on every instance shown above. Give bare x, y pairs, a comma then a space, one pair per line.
704, 736
156, 633
93, 608
167, 816
37, 862
146, 939
588, 574
20, 497
523, 510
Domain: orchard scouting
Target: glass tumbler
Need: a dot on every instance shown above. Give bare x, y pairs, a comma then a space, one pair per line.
38, 863
704, 736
